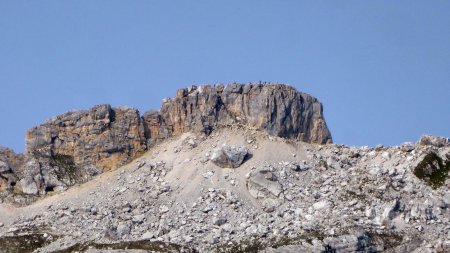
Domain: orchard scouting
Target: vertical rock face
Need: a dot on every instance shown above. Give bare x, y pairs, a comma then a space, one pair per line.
155, 128
279, 110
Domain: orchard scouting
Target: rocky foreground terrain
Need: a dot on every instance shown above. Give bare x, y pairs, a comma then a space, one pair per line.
220, 176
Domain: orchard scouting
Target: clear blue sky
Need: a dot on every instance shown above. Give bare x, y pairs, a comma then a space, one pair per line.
381, 68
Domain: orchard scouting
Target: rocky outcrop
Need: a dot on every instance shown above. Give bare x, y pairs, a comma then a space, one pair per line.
103, 136
72, 147
107, 137
10, 167
278, 109
430, 140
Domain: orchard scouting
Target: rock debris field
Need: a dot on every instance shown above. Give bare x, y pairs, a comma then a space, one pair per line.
285, 196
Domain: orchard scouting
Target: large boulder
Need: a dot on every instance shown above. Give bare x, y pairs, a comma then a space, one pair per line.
229, 156
264, 184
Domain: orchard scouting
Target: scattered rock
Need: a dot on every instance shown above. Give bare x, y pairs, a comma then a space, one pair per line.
147, 235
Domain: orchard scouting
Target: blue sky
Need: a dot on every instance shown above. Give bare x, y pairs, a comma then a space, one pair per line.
381, 68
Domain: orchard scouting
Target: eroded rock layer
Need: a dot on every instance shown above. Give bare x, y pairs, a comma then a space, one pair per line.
102, 136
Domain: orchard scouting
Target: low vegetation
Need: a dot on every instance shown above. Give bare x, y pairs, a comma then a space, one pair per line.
433, 170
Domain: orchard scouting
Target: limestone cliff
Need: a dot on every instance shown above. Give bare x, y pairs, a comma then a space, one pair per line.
279, 110
74, 146
102, 136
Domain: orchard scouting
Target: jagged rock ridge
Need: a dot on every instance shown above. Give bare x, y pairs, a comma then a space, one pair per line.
73, 147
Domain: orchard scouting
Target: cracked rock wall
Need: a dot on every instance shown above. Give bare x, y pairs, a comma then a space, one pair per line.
277, 109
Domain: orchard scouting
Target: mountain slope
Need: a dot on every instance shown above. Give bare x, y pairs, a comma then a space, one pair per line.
288, 196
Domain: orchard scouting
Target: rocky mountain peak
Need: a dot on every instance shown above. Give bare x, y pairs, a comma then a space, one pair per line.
72, 147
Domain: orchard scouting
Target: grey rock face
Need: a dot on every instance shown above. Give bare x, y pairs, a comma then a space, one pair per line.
28, 186
278, 109
102, 136
54, 173
155, 128
229, 156
73, 147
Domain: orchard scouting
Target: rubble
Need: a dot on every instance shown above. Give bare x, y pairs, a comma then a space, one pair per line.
324, 198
